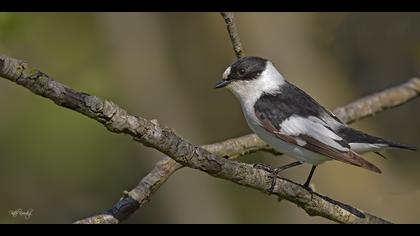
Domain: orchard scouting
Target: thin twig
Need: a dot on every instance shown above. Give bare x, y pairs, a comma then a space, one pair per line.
377, 102
138, 196
233, 33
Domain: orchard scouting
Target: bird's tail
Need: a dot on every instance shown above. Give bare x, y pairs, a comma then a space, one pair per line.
400, 145
366, 142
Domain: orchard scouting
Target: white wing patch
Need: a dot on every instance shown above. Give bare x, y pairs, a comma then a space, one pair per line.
313, 127
300, 142
366, 147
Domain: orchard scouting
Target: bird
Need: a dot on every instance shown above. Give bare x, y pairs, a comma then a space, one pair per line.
294, 123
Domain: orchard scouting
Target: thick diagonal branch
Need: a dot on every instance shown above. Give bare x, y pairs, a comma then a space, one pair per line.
117, 120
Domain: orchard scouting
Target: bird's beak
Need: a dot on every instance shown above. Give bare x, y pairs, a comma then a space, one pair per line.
225, 80
222, 83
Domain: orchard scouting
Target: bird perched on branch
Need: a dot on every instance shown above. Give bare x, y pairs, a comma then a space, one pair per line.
292, 122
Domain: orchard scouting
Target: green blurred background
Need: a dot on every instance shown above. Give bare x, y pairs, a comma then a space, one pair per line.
163, 66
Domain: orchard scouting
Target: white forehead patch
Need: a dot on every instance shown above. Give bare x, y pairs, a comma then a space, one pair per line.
226, 73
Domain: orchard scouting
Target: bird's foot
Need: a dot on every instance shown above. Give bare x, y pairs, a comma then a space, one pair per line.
273, 174
273, 177
265, 167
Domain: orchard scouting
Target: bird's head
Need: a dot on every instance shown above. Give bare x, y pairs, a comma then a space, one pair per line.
250, 76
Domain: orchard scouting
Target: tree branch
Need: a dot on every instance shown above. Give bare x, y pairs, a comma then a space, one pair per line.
138, 196
151, 134
377, 102
233, 33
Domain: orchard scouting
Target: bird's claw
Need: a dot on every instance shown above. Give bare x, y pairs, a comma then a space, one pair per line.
265, 167
273, 174
273, 177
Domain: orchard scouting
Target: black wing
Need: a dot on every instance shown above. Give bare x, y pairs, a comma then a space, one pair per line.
296, 118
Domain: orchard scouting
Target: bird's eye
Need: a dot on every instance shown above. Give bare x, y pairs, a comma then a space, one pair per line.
242, 71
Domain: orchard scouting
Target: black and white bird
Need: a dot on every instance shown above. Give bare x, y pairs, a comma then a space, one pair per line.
292, 122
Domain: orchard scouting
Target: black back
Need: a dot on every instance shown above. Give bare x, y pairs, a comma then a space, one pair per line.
289, 100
